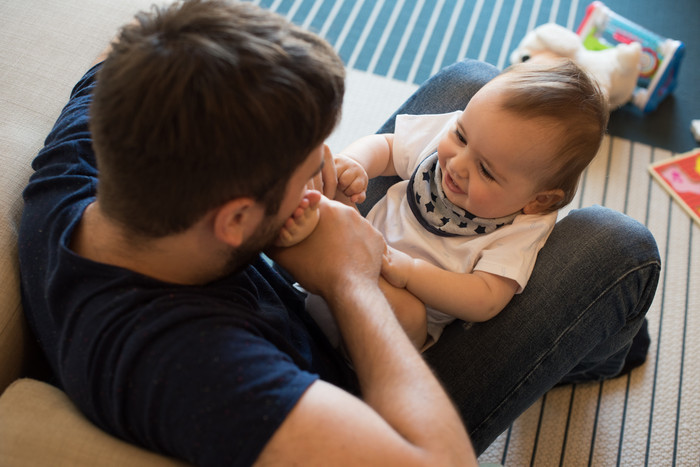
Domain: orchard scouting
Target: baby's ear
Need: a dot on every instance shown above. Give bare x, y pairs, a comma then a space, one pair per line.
543, 201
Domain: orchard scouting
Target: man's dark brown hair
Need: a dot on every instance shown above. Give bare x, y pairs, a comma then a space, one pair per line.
203, 102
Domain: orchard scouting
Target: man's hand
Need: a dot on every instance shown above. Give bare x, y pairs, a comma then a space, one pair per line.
352, 178
326, 180
343, 249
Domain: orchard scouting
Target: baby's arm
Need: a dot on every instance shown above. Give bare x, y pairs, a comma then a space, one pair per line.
477, 296
368, 157
302, 221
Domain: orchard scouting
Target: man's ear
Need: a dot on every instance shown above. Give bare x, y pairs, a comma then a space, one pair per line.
543, 201
236, 220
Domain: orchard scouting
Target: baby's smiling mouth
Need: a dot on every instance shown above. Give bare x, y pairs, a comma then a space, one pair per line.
451, 185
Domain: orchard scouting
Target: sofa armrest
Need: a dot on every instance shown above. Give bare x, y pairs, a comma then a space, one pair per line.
39, 425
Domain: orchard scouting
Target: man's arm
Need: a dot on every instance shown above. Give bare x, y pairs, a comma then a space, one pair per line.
405, 417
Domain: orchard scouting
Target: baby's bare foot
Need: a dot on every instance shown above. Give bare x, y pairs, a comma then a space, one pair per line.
300, 225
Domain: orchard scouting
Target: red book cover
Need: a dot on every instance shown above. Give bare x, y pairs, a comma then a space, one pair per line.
680, 176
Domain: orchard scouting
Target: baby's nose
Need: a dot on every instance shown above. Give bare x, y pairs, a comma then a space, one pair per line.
459, 169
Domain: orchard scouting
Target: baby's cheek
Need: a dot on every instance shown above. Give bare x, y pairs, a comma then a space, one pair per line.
442, 157
442, 149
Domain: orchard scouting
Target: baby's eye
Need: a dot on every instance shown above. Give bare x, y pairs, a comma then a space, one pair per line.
484, 171
460, 137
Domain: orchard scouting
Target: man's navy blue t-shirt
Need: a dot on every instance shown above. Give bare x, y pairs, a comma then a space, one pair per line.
205, 373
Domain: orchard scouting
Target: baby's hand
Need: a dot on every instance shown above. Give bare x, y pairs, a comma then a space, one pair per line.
302, 222
352, 178
396, 267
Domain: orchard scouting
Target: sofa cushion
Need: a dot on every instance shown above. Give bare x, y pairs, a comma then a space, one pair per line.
39, 425
45, 47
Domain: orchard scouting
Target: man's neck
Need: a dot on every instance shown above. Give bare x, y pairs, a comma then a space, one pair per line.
185, 258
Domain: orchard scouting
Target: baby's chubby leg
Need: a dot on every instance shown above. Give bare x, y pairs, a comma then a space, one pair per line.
409, 311
302, 221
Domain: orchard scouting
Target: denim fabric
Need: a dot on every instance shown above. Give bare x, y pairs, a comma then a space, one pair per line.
592, 285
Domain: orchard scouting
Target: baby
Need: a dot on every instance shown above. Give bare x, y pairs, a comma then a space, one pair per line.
479, 196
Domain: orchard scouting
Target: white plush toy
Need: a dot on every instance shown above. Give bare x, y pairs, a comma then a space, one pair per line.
616, 69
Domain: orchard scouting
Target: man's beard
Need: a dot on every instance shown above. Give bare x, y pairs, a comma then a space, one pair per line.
264, 236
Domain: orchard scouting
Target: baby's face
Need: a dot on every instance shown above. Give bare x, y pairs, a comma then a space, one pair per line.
493, 159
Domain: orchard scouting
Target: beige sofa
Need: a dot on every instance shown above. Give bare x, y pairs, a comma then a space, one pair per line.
45, 47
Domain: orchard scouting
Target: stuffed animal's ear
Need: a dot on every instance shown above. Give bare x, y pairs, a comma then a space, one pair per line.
528, 45
558, 39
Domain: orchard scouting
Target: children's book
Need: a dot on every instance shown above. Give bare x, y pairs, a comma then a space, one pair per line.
680, 176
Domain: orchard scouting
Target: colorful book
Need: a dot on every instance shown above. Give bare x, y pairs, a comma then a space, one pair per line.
680, 176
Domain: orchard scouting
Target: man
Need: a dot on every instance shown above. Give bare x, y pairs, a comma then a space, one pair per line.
143, 283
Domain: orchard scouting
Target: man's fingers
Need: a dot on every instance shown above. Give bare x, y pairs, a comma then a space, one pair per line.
329, 175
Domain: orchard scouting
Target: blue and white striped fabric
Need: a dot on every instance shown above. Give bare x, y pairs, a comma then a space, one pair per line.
650, 417
409, 40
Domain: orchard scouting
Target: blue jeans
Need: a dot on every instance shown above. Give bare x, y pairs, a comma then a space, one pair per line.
591, 287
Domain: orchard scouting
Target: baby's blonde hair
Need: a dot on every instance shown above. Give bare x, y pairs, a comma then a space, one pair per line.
560, 91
